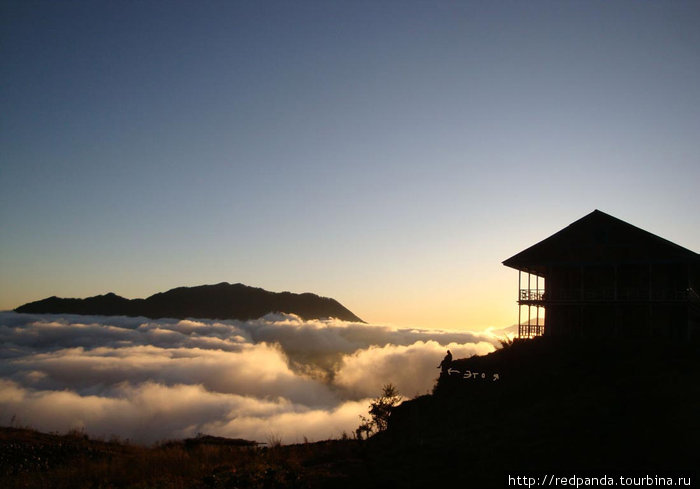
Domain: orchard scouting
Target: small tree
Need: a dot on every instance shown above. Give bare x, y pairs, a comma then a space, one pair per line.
506, 342
379, 411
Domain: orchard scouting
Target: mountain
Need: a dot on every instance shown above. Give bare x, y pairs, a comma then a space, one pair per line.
220, 301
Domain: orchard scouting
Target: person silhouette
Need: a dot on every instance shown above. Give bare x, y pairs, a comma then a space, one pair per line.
446, 363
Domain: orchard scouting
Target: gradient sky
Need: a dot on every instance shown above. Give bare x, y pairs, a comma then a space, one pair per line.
387, 154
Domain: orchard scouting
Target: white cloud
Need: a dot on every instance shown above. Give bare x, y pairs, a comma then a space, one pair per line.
149, 379
412, 369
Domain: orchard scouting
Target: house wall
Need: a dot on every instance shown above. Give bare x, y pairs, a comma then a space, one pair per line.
563, 283
627, 300
609, 320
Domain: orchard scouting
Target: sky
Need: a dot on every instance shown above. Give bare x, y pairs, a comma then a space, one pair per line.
387, 154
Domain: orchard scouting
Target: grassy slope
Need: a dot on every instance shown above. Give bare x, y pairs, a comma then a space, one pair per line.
29, 459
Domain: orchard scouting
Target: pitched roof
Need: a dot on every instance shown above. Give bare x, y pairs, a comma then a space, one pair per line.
599, 238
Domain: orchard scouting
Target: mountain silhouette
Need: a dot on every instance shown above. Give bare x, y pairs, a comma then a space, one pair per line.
220, 301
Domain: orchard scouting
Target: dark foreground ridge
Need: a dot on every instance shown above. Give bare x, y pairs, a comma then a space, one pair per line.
560, 408
220, 301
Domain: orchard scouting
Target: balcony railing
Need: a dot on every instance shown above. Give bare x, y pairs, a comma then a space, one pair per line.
608, 294
530, 330
531, 294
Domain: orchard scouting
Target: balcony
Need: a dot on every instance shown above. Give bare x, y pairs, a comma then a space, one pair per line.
606, 294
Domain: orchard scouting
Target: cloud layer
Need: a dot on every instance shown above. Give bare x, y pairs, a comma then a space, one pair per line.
150, 380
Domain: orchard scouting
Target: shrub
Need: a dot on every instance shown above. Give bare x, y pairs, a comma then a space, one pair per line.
379, 412
506, 342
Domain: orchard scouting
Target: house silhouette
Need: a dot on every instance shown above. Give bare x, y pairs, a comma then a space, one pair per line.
602, 277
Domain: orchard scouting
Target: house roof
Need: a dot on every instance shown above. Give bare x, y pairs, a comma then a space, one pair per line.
599, 238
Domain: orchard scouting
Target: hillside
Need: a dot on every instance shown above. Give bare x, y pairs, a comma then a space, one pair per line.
562, 406
220, 301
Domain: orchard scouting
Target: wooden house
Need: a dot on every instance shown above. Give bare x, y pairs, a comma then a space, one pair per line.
602, 277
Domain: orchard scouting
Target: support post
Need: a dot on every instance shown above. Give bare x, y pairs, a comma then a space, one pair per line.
529, 304
537, 311
520, 325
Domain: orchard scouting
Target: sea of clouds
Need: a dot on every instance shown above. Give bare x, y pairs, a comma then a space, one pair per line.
277, 377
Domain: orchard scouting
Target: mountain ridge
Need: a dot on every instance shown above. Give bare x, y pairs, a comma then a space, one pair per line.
218, 301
